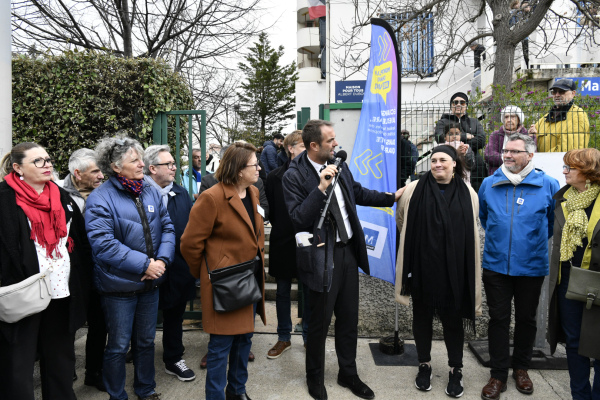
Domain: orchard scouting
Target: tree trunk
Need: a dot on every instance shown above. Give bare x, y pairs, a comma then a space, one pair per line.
125, 16
504, 64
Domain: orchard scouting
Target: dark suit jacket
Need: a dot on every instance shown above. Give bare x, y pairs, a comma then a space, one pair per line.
282, 243
209, 181
179, 285
305, 201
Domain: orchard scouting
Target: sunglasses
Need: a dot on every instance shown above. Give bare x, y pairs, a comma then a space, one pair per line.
459, 102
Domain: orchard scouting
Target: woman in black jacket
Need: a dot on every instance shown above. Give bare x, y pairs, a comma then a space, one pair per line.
42, 230
472, 134
282, 250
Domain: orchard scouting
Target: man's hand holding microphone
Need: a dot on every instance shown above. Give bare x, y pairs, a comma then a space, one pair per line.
331, 170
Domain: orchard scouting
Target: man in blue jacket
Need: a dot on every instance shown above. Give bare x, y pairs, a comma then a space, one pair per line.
341, 241
178, 288
516, 210
269, 154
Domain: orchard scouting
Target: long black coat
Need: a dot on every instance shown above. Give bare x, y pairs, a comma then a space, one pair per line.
179, 284
15, 243
282, 244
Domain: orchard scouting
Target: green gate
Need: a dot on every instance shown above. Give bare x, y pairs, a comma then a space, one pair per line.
160, 136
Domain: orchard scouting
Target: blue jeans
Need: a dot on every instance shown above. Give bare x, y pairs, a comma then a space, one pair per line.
237, 347
130, 319
283, 305
571, 312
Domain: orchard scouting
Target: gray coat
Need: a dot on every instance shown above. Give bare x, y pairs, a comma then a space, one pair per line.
77, 197
589, 345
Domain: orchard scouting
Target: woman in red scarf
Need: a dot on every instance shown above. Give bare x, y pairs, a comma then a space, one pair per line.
42, 230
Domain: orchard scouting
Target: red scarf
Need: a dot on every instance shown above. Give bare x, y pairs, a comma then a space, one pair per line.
44, 211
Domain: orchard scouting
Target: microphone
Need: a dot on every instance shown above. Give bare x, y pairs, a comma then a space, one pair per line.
340, 157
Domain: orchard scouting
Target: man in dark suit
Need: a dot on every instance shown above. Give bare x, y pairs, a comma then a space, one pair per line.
341, 241
178, 288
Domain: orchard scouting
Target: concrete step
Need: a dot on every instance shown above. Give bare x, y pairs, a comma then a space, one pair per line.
271, 291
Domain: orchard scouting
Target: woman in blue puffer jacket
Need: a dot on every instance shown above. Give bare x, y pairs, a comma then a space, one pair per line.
133, 242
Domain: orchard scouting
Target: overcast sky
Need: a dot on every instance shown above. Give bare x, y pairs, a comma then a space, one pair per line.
282, 16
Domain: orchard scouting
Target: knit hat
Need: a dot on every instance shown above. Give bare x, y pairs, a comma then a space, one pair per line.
513, 110
459, 94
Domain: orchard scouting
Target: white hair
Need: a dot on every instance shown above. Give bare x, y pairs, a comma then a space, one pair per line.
81, 159
151, 155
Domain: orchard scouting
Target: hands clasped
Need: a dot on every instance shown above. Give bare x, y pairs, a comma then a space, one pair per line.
155, 270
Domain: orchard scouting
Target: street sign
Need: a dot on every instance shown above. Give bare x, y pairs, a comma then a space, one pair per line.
349, 91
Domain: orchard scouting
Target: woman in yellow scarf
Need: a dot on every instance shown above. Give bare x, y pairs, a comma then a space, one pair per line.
576, 239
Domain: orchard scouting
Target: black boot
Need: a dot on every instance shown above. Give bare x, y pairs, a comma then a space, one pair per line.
94, 379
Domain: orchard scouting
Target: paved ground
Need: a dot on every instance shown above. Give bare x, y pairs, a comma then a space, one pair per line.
283, 378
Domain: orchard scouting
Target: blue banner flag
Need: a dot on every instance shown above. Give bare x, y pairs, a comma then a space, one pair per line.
374, 157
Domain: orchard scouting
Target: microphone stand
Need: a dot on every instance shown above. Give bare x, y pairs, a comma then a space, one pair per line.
326, 281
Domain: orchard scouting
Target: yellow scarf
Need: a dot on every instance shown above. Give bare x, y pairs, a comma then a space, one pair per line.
577, 225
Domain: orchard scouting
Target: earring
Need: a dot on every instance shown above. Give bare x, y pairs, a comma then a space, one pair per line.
587, 184
21, 177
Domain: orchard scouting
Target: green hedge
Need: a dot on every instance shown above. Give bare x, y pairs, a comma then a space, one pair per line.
71, 101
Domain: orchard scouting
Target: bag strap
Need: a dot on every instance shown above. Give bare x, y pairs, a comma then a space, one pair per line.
206, 262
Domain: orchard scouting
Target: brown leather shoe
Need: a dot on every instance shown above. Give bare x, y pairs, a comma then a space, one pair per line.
277, 350
251, 357
523, 383
492, 390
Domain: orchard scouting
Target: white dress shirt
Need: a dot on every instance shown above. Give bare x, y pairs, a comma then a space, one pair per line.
340, 199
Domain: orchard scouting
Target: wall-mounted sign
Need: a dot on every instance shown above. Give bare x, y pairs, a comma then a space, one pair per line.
585, 86
349, 91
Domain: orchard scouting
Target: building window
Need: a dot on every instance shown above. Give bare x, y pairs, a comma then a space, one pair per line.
415, 42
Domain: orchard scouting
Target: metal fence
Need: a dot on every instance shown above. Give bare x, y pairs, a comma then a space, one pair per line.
579, 127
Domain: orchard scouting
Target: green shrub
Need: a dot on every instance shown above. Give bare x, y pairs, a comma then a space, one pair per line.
72, 100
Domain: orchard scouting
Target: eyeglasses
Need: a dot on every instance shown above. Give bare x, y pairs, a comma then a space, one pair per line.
253, 165
568, 168
170, 165
506, 151
459, 102
41, 162
554, 92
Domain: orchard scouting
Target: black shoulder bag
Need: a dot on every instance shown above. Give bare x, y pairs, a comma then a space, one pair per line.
234, 287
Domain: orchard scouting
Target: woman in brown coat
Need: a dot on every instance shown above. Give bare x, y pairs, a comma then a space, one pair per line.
575, 245
226, 225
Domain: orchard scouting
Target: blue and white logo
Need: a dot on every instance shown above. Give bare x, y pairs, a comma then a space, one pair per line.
151, 209
375, 237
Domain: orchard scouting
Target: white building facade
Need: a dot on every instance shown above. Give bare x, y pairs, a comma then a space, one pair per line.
418, 45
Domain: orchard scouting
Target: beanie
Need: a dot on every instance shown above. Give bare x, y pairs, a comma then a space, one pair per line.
459, 94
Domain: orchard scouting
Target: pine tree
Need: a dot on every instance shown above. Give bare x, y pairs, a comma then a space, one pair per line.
268, 95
